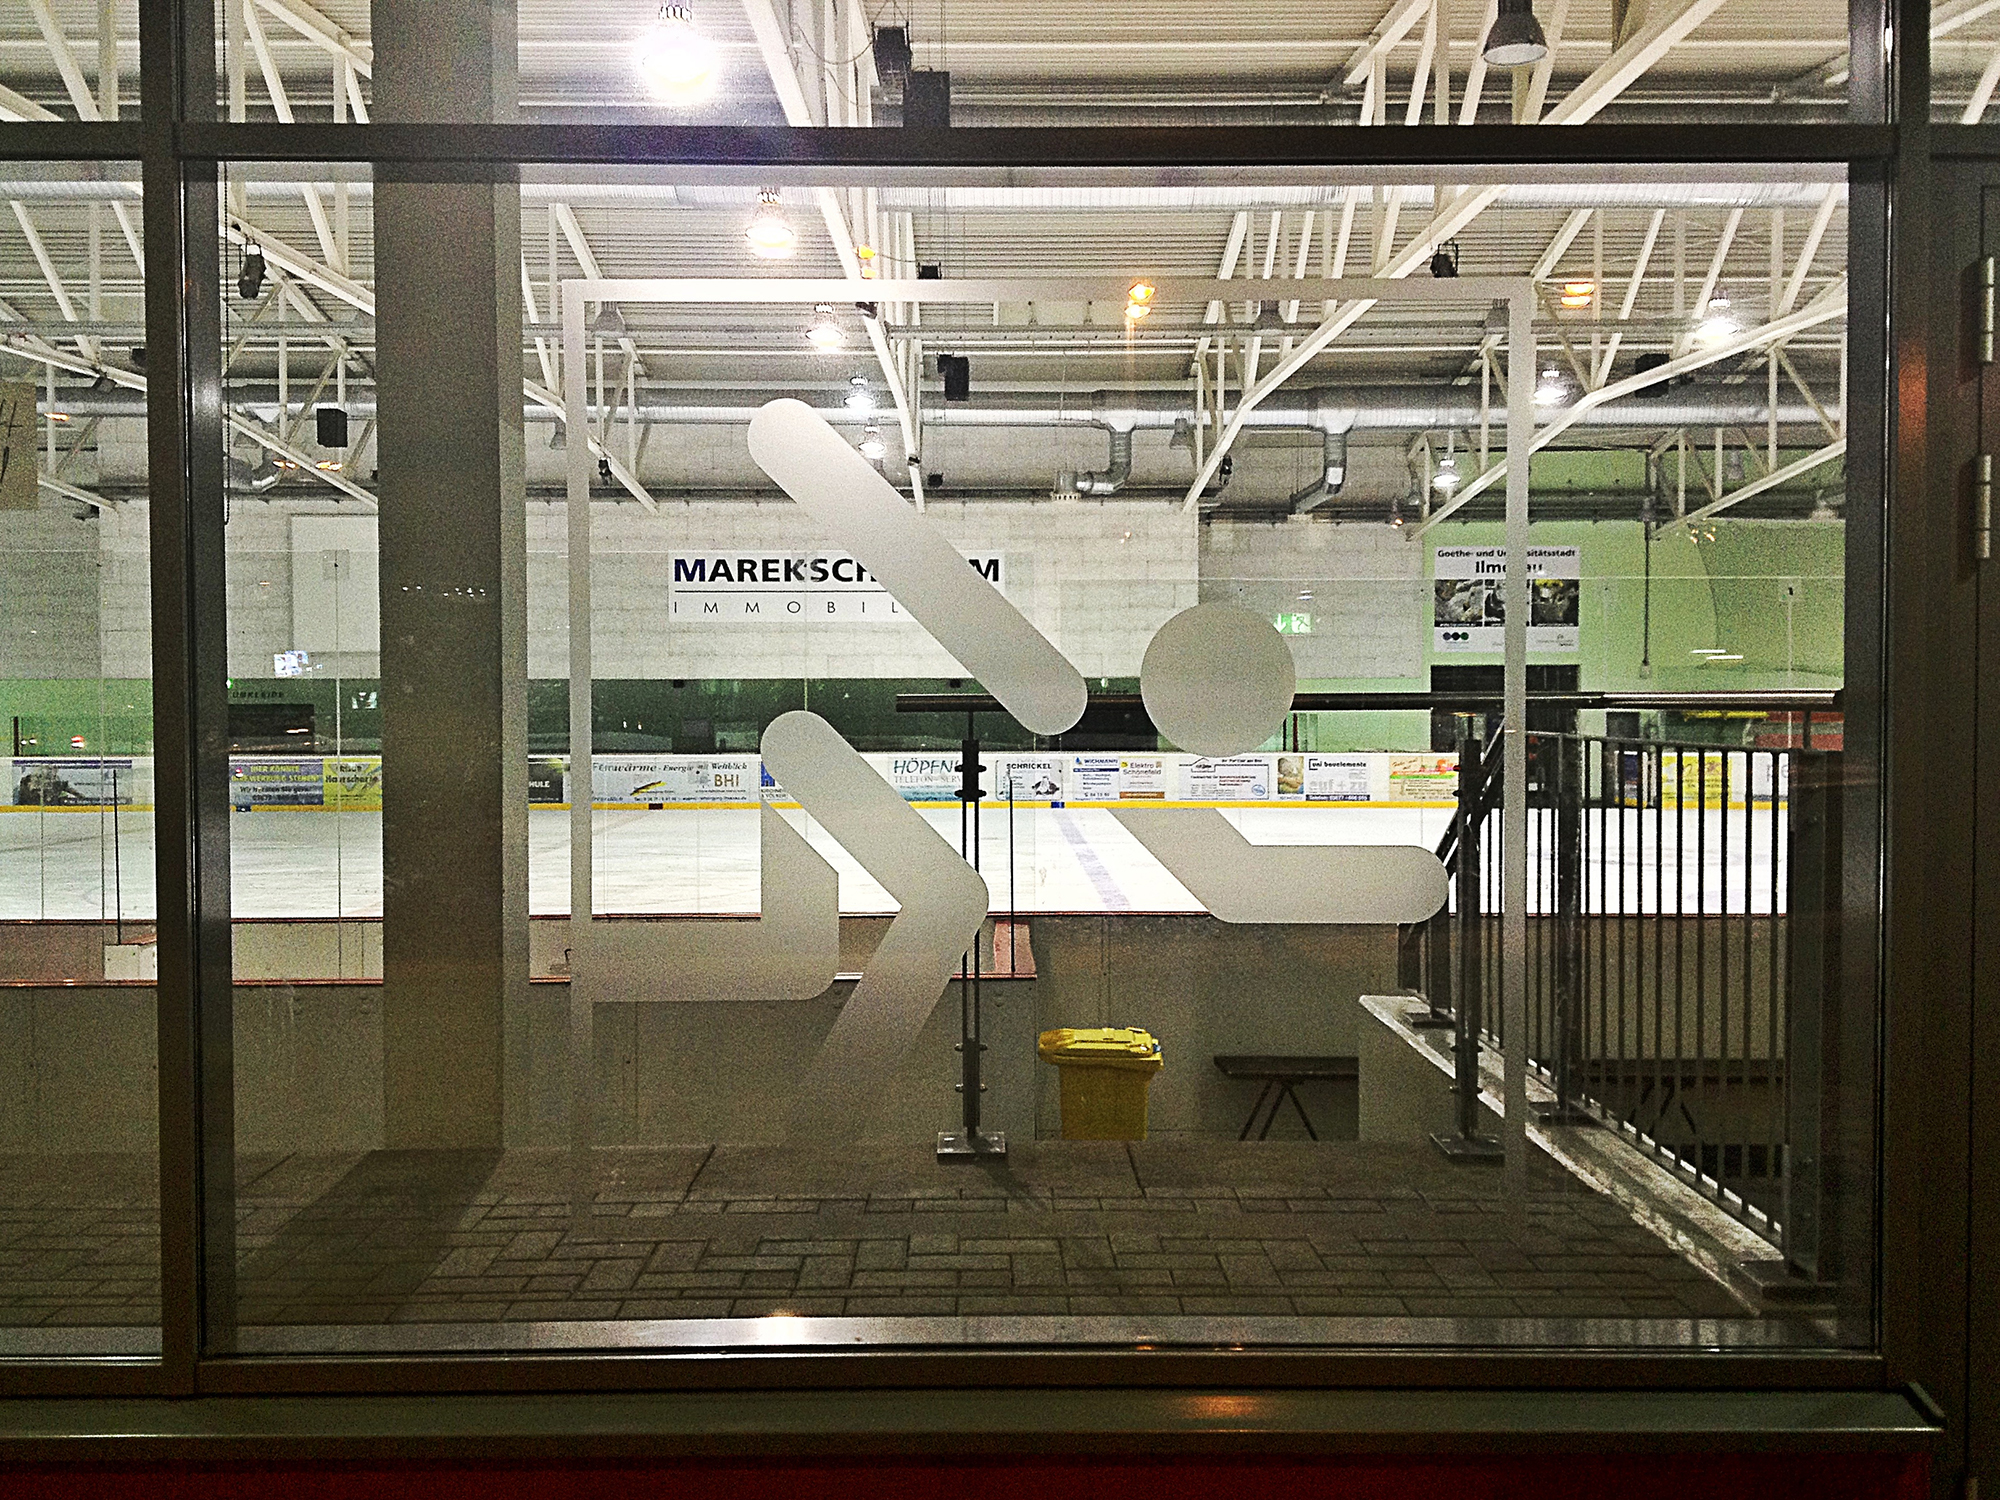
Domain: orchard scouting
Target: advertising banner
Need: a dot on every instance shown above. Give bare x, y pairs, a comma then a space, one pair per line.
1032, 778
277, 781
1093, 778
787, 588
352, 783
657, 781
927, 776
1143, 778
1469, 609
548, 775
1233, 778
1422, 778
74, 781
1324, 778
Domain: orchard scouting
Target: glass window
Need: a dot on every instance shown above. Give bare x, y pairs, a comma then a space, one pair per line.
79, 1180
840, 64
1044, 821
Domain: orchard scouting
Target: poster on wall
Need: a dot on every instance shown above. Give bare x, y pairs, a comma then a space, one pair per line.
1469, 609
547, 777
1323, 778
788, 588
351, 783
1230, 778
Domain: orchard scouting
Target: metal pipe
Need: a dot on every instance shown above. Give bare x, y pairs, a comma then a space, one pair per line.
1110, 480
1326, 409
1333, 473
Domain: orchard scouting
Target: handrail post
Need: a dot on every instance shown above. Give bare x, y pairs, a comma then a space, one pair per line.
1566, 1025
1465, 1142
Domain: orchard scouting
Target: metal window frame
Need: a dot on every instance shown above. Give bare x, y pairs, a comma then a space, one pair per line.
181, 147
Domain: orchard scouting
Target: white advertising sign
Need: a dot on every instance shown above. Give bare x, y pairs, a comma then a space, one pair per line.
1232, 778
1469, 612
788, 588
664, 781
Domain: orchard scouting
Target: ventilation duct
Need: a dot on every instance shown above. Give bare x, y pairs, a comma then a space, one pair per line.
1332, 476
1112, 479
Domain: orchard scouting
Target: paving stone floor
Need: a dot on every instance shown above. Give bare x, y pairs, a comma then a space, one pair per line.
1081, 1229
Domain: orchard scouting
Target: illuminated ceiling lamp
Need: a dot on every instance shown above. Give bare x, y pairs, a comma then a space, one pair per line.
1445, 480
676, 61
859, 397
1719, 323
769, 233
1139, 300
1553, 390
1578, 293
872, 446
1515, 39
824, 331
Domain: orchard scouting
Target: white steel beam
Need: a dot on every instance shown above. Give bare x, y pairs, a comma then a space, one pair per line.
1982, 92
1538, 80
15, 106
72, 75
1603, 371
1830, 304
1765, 482
1630, 59
315, 27
776, 50
1814, 234
1392, 28
1546, 262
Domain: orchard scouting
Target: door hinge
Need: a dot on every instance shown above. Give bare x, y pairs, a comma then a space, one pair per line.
1986, 283
1982, 510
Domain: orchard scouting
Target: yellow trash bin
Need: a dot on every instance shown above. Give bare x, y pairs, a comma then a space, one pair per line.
1105, 1073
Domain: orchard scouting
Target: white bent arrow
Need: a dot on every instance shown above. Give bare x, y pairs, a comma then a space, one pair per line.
1239, 881
966, 615
943, 901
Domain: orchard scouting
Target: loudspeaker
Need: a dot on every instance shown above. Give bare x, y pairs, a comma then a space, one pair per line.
955, 370
332, 425
892, 56
927, 100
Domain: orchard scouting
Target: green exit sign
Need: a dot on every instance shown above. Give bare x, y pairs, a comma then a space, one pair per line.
1293, 624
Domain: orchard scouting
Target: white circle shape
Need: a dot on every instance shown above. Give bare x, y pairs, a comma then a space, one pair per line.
1217, 680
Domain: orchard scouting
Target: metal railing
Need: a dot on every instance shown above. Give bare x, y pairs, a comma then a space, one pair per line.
1680, 920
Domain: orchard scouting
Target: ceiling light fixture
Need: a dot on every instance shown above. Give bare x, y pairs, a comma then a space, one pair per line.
1553, 390
1444, 261
872, 445
1579, 293
677, 62
1446, 478
859, 397
1139, 300
1396, 513
769, 233
250, 280
1515, 39
609, 322
824, 331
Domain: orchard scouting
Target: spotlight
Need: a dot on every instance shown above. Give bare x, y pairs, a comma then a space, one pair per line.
892, 55
1719, 324
1553, 390
770, 233
872, 445
824, 331
859, 397
955, 370
250, 281
1515, 39
1446, 477
609, 322
1396, 513
677, 62
1444, 262
1579, 293
1139, 300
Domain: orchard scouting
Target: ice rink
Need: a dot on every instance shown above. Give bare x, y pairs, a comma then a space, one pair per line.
90, 865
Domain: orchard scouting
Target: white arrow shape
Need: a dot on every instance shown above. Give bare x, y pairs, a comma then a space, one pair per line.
964, 613
943, 901
1239, 881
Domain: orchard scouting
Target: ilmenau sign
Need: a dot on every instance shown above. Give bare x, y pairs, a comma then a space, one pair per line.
787, 588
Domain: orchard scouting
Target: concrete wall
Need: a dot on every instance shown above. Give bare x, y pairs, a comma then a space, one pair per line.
77, 1065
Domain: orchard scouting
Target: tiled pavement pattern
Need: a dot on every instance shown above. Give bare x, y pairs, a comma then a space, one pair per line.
1062, 1228
79, 1241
